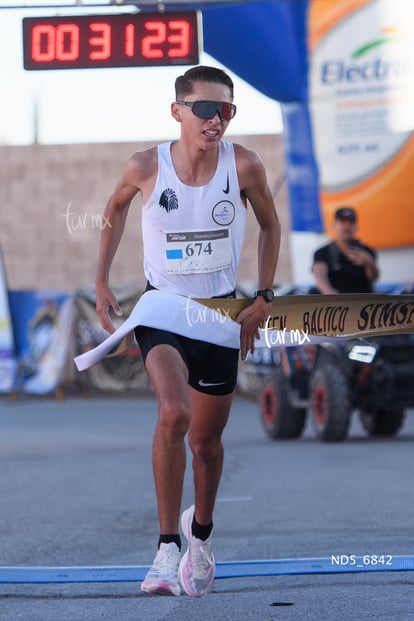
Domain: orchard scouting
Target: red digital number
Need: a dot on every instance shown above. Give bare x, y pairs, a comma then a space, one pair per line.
67, 42
158, 38
126, 40
55, 42
182, 39
104, 41
43, 43
129, 40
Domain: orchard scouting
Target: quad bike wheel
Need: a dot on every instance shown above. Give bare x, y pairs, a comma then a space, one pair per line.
381, 422
330, 402
279, 418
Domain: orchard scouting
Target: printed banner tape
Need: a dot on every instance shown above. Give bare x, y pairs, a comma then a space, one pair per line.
356, 314
342, 315
319, 317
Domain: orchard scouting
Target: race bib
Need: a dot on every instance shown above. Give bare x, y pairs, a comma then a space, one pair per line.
197, 252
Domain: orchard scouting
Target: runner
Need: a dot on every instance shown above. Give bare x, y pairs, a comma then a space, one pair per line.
196, 192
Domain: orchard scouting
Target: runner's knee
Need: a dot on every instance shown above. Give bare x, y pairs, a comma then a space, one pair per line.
205, 449
174, 417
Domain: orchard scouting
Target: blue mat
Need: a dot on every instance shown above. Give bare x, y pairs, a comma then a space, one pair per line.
229, 569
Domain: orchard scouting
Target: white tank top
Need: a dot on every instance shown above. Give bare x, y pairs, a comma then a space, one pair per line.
193, 236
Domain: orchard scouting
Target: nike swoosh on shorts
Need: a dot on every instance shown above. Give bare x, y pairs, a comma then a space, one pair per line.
209, 384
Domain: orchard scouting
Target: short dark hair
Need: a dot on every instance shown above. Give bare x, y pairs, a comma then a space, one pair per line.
346, 213
184, 84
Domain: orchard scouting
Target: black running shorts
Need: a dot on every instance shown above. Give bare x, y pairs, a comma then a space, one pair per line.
212, 369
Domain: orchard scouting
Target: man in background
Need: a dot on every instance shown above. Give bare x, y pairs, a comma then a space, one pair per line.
345, 265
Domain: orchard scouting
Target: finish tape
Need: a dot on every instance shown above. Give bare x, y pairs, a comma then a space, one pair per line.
293, 320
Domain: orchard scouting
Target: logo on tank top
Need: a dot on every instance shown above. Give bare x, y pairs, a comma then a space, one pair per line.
223, 213
226, 190
168, 200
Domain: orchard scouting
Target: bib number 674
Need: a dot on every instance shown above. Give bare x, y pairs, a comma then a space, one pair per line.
198, 248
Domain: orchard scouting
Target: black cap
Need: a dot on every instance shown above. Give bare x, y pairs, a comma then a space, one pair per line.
345, 213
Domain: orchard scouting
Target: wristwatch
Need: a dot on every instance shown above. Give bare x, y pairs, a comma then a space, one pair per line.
267, 294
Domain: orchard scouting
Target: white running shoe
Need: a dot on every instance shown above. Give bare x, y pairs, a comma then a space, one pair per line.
162, 577
197, 567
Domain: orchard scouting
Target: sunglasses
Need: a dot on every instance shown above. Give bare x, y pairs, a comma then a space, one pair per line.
208, 109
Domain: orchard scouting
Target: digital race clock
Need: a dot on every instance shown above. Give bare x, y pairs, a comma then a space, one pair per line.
126, 40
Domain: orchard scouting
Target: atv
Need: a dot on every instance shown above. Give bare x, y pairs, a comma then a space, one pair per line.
374, 376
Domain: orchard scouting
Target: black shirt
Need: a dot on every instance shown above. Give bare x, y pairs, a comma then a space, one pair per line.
342, 273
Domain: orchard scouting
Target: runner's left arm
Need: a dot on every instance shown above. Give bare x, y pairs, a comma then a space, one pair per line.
253, 183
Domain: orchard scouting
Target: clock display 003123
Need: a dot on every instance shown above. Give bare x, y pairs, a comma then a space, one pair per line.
127, 40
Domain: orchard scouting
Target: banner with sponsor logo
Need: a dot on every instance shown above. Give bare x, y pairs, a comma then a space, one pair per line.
343, 72
8, 363
362, 111
43, 327
266, 44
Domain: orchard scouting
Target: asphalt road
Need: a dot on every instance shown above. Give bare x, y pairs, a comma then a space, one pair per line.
76, 490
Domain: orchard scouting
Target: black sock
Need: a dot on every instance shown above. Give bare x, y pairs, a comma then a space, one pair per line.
201, 531
170, 539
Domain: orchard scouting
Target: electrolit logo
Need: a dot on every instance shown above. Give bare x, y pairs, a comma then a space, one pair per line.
361, 104
335, 72
361, 93
390, 35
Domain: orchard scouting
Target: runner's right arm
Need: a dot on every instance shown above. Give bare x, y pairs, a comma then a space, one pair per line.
114, 219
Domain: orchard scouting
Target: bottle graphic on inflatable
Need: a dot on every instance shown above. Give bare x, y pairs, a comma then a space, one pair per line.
362, 111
